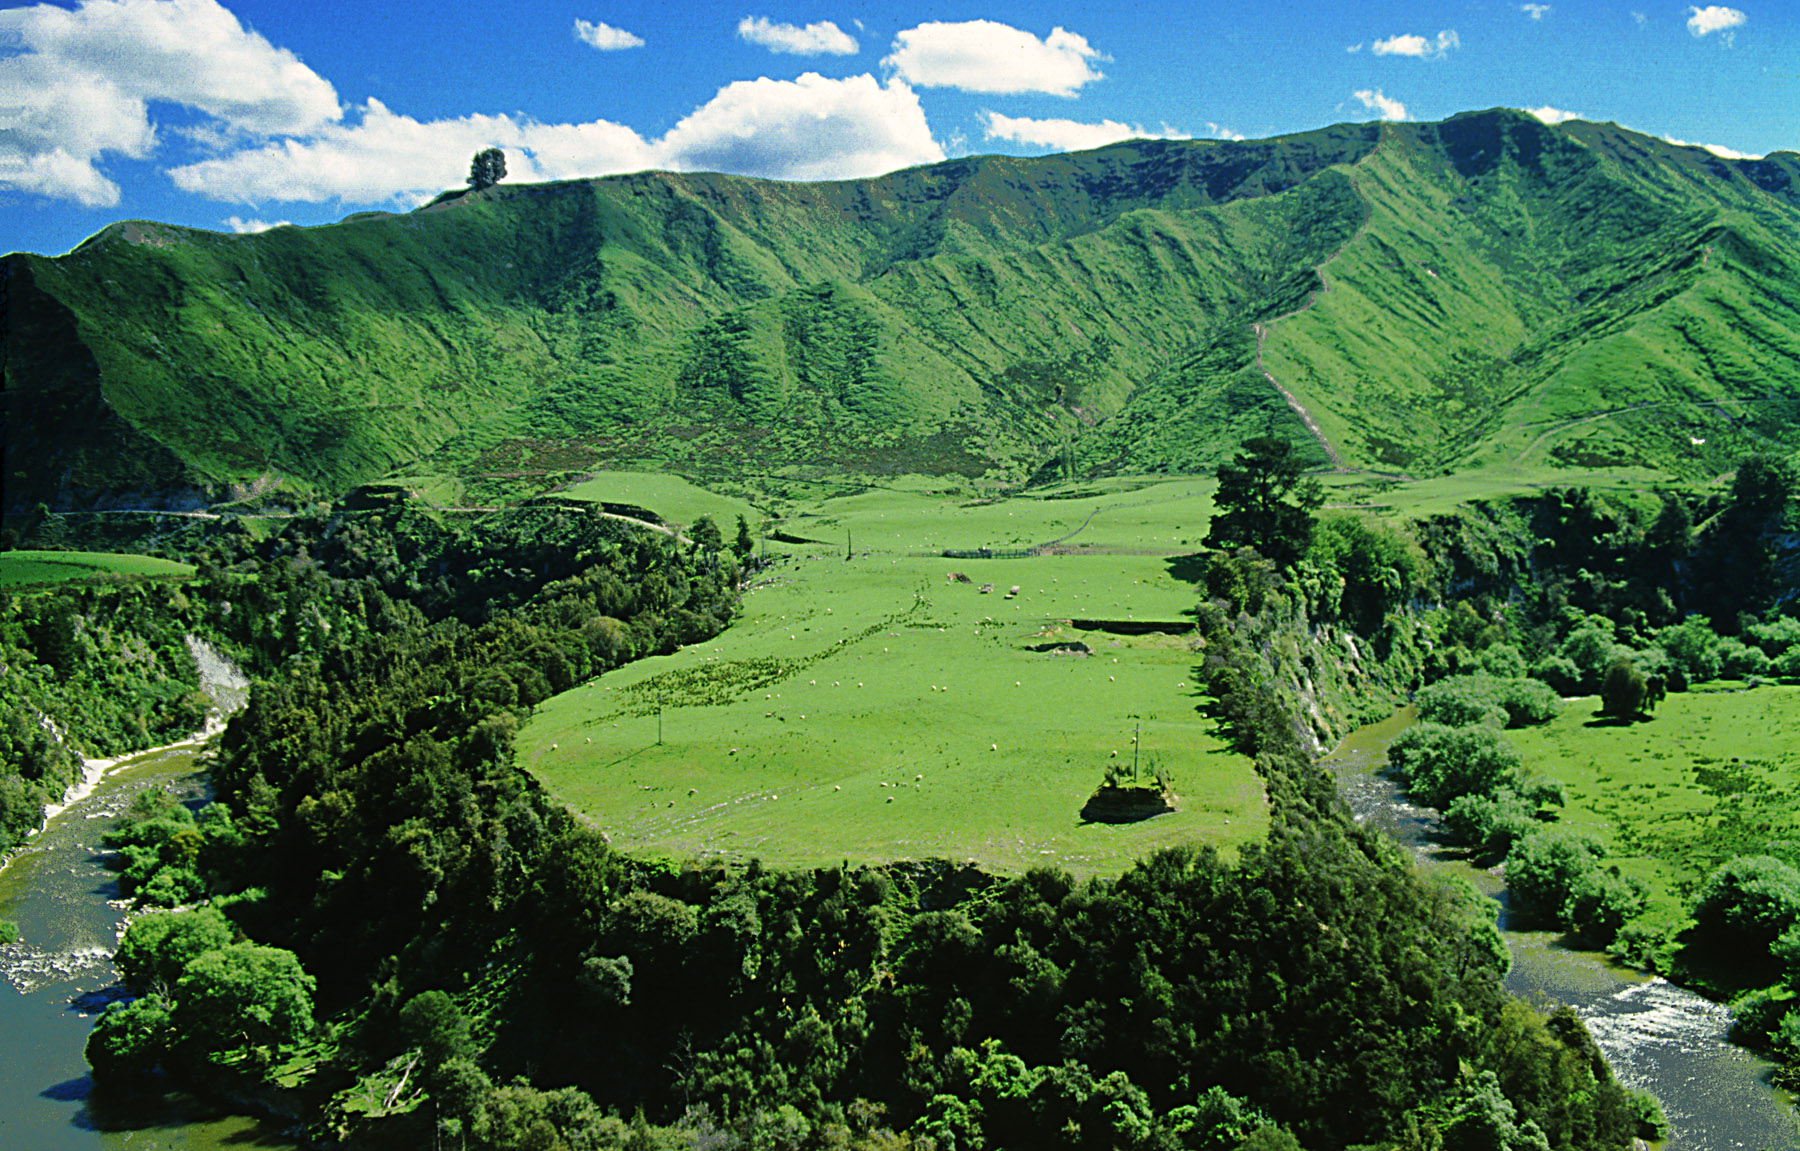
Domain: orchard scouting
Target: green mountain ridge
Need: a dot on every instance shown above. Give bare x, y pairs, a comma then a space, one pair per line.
1436, 297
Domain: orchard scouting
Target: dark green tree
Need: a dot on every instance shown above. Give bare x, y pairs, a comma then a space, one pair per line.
743, 545
487, 168
1623, 690
1265, 501
157, 948
706, 535
244, 996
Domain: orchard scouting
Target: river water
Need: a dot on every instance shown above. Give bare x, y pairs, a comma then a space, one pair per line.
1657, 1036
60, 973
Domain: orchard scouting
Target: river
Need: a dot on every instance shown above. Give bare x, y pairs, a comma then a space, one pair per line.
60, 973
1657, 1036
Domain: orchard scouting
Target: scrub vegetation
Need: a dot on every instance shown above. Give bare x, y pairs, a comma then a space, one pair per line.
685, 645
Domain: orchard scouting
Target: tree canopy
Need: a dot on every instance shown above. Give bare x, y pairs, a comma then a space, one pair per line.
1265, 502
487, 168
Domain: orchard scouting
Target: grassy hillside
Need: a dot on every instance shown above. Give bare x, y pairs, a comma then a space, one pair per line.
1485, 291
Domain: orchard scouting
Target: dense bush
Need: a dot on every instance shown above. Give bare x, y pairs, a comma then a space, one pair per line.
1439, 763
1495, 701
1747, 903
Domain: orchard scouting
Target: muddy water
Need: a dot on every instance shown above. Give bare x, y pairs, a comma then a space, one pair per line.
60, 973
1658, 1037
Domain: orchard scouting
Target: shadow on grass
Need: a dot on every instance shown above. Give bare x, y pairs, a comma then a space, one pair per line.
1188, 568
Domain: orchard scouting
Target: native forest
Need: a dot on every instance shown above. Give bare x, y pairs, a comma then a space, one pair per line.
741, 664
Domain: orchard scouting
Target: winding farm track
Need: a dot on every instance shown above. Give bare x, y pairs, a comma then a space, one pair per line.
1261, 328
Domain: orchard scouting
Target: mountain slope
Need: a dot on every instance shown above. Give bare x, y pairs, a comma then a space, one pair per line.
1432, 295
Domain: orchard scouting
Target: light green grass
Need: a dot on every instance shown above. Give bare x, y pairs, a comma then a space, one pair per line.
873, 710
675, 499
1710, 777
29, 568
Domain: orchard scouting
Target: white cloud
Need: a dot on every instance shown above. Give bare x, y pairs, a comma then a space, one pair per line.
984, 56
242, 226
1551, 115
1222, 133
1373, 100
387, 156
1357, 47
812, 128
1714, 18
1640, 19
1535, 11
821, 39
605, 37
1413, 45
1070, 135
79, 84
1718, 150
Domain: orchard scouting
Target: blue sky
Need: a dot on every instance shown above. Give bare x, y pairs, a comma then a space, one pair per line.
246, 113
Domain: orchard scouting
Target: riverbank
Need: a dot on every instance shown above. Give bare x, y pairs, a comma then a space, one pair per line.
57, 888
1659, 1037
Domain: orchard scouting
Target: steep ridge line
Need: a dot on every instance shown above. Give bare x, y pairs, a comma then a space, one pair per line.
1261, 327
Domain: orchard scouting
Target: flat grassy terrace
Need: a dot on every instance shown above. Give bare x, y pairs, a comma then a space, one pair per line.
1710, 777
872, 709
24, 569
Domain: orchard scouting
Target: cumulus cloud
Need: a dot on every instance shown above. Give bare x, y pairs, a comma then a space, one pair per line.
1551, 115
1373, 100
1070, 135
812, 128
605, 37
1220, 132
1413, 45
242, 226
1714, 18
1535, 11
985, 56
1718, 150
821, 39
79, 83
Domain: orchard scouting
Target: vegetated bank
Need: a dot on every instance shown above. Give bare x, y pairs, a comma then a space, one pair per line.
1630, 816
400, 923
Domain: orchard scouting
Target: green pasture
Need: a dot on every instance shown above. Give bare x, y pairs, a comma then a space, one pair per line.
875, 709
676, 500
1709, 777
32, 568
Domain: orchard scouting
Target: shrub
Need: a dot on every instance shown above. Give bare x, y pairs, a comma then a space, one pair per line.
1623, 692
1692, 648
1775, 637
1592, 649
1756, 1015
1462, 701
1504, 661
1748, 902
1738, 660
1490, 823
1599, 902
1439, 763
1543, 869
1559, 673
1647, 1115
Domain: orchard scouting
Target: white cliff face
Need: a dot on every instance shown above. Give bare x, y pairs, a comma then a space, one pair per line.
222, 681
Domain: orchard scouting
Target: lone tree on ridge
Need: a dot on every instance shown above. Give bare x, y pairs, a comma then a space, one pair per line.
487, 168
